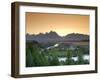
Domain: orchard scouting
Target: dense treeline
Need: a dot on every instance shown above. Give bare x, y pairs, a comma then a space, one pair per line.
37, 56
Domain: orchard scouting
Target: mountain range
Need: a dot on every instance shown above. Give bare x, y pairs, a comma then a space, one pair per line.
52, 36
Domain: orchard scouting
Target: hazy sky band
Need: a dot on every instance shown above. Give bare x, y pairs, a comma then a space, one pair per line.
63, 24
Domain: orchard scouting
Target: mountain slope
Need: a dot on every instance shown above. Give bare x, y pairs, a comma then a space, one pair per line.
76, 37
54, 37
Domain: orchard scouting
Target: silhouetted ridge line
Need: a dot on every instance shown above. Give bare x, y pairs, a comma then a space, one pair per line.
52, 36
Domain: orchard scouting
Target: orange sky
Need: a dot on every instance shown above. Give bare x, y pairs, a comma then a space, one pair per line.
60, 23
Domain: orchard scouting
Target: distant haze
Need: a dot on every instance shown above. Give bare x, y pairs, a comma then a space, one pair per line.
63, 24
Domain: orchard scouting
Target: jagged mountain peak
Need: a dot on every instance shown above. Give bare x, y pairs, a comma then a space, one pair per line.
52, 36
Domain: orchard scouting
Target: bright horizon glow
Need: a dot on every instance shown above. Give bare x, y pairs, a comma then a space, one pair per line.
57, 33
62, 24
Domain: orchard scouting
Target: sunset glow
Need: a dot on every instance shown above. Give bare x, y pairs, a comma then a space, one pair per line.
63, 24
